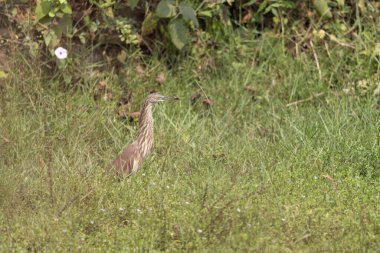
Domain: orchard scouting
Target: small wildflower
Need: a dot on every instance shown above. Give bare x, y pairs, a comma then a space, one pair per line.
187, 203
143, 174
121, 209
153, 183
138, 211
167, 187
61, 53
82, 239
199, 231
64, 230
102, 210
91, 222
238, 210
315, 177
283, 219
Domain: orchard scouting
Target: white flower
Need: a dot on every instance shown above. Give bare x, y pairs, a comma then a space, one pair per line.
199, 231
61, 53
238, 210
121, 209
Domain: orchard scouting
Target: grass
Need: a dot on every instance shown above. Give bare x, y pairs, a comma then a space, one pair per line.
248, 174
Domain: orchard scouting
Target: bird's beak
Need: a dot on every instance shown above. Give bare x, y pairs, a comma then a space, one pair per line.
170, 98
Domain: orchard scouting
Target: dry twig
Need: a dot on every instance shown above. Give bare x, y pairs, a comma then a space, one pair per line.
312, 97
316, 60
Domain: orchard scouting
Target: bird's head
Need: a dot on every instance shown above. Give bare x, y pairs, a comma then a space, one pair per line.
156, 97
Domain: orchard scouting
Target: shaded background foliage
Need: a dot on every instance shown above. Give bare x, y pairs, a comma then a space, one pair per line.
151, 25
123, 31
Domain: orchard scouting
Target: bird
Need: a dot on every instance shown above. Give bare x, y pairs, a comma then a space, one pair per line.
130, 160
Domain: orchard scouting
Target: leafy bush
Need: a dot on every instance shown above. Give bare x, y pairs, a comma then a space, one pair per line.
144, 23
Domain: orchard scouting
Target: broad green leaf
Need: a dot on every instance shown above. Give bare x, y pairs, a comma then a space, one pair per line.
66, 8
66, 24
51, 39
188, 13
340, 2
109, 12
67, 78
51, 14
149, 24
361, 5
166, 9
43, 9
14, 12
322, 8
133, 3
82, 37
179, 33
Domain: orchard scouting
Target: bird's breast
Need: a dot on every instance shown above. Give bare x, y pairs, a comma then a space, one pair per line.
146, 147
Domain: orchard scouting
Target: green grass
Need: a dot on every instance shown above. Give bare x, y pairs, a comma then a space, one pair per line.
246, 175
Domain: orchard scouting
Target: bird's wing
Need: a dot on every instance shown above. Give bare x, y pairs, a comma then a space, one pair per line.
128, 161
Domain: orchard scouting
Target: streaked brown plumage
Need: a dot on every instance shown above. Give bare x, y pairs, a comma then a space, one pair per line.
132, 157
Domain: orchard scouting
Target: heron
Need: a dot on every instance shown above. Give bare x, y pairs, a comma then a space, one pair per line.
132, 157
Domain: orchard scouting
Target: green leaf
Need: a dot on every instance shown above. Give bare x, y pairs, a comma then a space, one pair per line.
179, 33
340, 2
67, 78
149, 24
166, 9
51, 14
43, 9
322, 8
188, 14
207, 14
249, 3
133, 3
66, 24
109, 12
66, 8
51, 39
3, 74
14, 12
262, 6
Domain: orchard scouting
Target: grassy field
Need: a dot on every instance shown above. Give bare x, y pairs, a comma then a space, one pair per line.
249, 174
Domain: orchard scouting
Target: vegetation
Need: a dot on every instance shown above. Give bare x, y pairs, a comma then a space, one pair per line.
274, 146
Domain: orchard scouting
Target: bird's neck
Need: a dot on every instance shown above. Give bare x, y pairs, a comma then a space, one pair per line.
145, 137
